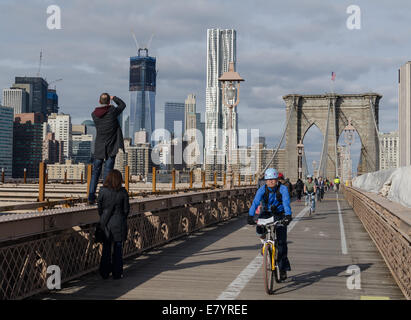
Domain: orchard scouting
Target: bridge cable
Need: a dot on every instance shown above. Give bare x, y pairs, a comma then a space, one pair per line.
281, 140
376, 129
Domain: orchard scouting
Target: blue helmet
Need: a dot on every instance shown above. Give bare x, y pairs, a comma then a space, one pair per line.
270, 173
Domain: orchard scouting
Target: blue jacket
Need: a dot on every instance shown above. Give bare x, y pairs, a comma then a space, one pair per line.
272, 200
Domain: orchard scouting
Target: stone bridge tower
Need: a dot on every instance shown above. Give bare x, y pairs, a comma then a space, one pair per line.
308, 110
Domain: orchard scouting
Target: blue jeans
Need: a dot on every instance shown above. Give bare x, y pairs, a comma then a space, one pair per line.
97, 164
308, 202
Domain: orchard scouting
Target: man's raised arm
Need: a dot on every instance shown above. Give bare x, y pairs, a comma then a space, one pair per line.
120, 104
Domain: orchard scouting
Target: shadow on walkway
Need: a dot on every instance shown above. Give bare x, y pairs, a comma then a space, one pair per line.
308, 278
142, 268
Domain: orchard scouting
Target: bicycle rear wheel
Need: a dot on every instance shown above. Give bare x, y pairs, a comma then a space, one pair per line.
268, 272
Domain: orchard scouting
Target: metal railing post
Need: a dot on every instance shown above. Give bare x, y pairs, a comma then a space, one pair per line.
191, 179
25, 175
89, 170
154, 179
239, 179
42, 184
224, 179
203, 178
173, 179
127, 179
2, 175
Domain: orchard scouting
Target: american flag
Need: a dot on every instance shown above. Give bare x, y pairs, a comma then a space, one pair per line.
333, 76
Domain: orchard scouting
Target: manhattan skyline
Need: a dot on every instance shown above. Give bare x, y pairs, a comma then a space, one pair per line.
282, 48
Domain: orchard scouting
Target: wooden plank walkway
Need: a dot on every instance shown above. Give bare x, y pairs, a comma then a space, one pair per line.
203, 265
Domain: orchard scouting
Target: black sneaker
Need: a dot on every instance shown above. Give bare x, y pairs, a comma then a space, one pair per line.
283, 275
91, 202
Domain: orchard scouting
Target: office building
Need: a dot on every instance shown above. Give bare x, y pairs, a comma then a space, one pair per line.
16, 98
139, 160
174, 118
53, 151
6, 140
27, 144
221, 50
140, 137
38, 93
190, 113
78, 129
90, 129
142, 87
127, 127
74, 171
28, 87
60, 124
389, 150
81, 148
52, 101
193, 122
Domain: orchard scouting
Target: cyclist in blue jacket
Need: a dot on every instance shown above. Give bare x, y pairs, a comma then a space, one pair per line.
274, 200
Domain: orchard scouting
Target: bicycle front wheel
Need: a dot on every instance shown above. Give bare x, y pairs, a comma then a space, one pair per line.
268, 269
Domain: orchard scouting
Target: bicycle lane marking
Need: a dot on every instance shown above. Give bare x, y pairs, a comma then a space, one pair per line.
239, 283
342, 232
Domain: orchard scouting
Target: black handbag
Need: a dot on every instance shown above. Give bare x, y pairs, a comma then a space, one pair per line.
99, 234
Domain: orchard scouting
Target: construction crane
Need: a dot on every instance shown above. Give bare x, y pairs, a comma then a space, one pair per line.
41, 57
138, 45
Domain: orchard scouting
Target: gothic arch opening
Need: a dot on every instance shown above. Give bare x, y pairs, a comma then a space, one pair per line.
313, 142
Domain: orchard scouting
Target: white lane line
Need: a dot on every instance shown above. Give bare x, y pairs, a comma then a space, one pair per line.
239, 283
343, 241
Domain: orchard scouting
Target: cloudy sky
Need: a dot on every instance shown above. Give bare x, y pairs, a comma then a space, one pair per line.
283, 47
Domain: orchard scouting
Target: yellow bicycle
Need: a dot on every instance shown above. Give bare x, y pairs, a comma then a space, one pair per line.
271, 271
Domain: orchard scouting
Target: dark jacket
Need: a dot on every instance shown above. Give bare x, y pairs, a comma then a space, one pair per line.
113, 209
299, 186
109, 136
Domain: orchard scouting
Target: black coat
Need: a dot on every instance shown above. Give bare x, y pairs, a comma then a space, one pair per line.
113, 209
299, 185
109, 136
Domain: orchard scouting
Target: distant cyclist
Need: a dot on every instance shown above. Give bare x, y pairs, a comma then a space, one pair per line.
310, 189
337, 184
275, 201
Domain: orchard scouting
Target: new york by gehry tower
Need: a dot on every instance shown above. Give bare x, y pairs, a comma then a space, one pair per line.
221, 50
142, 93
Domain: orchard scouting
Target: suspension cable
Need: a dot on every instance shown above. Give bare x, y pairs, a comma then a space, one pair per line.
376, 130
281, 140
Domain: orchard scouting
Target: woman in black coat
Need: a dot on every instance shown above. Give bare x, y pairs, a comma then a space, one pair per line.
113, 209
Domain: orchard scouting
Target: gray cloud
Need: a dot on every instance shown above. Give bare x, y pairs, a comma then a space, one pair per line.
282, 47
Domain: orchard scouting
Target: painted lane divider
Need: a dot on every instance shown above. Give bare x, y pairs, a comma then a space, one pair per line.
342, 232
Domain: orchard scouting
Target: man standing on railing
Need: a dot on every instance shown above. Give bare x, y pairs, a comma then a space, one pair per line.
109, 139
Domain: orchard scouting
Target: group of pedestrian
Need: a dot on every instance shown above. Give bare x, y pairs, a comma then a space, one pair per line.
322, 185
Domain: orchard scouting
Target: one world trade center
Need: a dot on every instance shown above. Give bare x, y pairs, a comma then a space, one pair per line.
142, 94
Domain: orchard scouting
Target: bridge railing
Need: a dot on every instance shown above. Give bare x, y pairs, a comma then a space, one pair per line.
389, 226
30, 243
